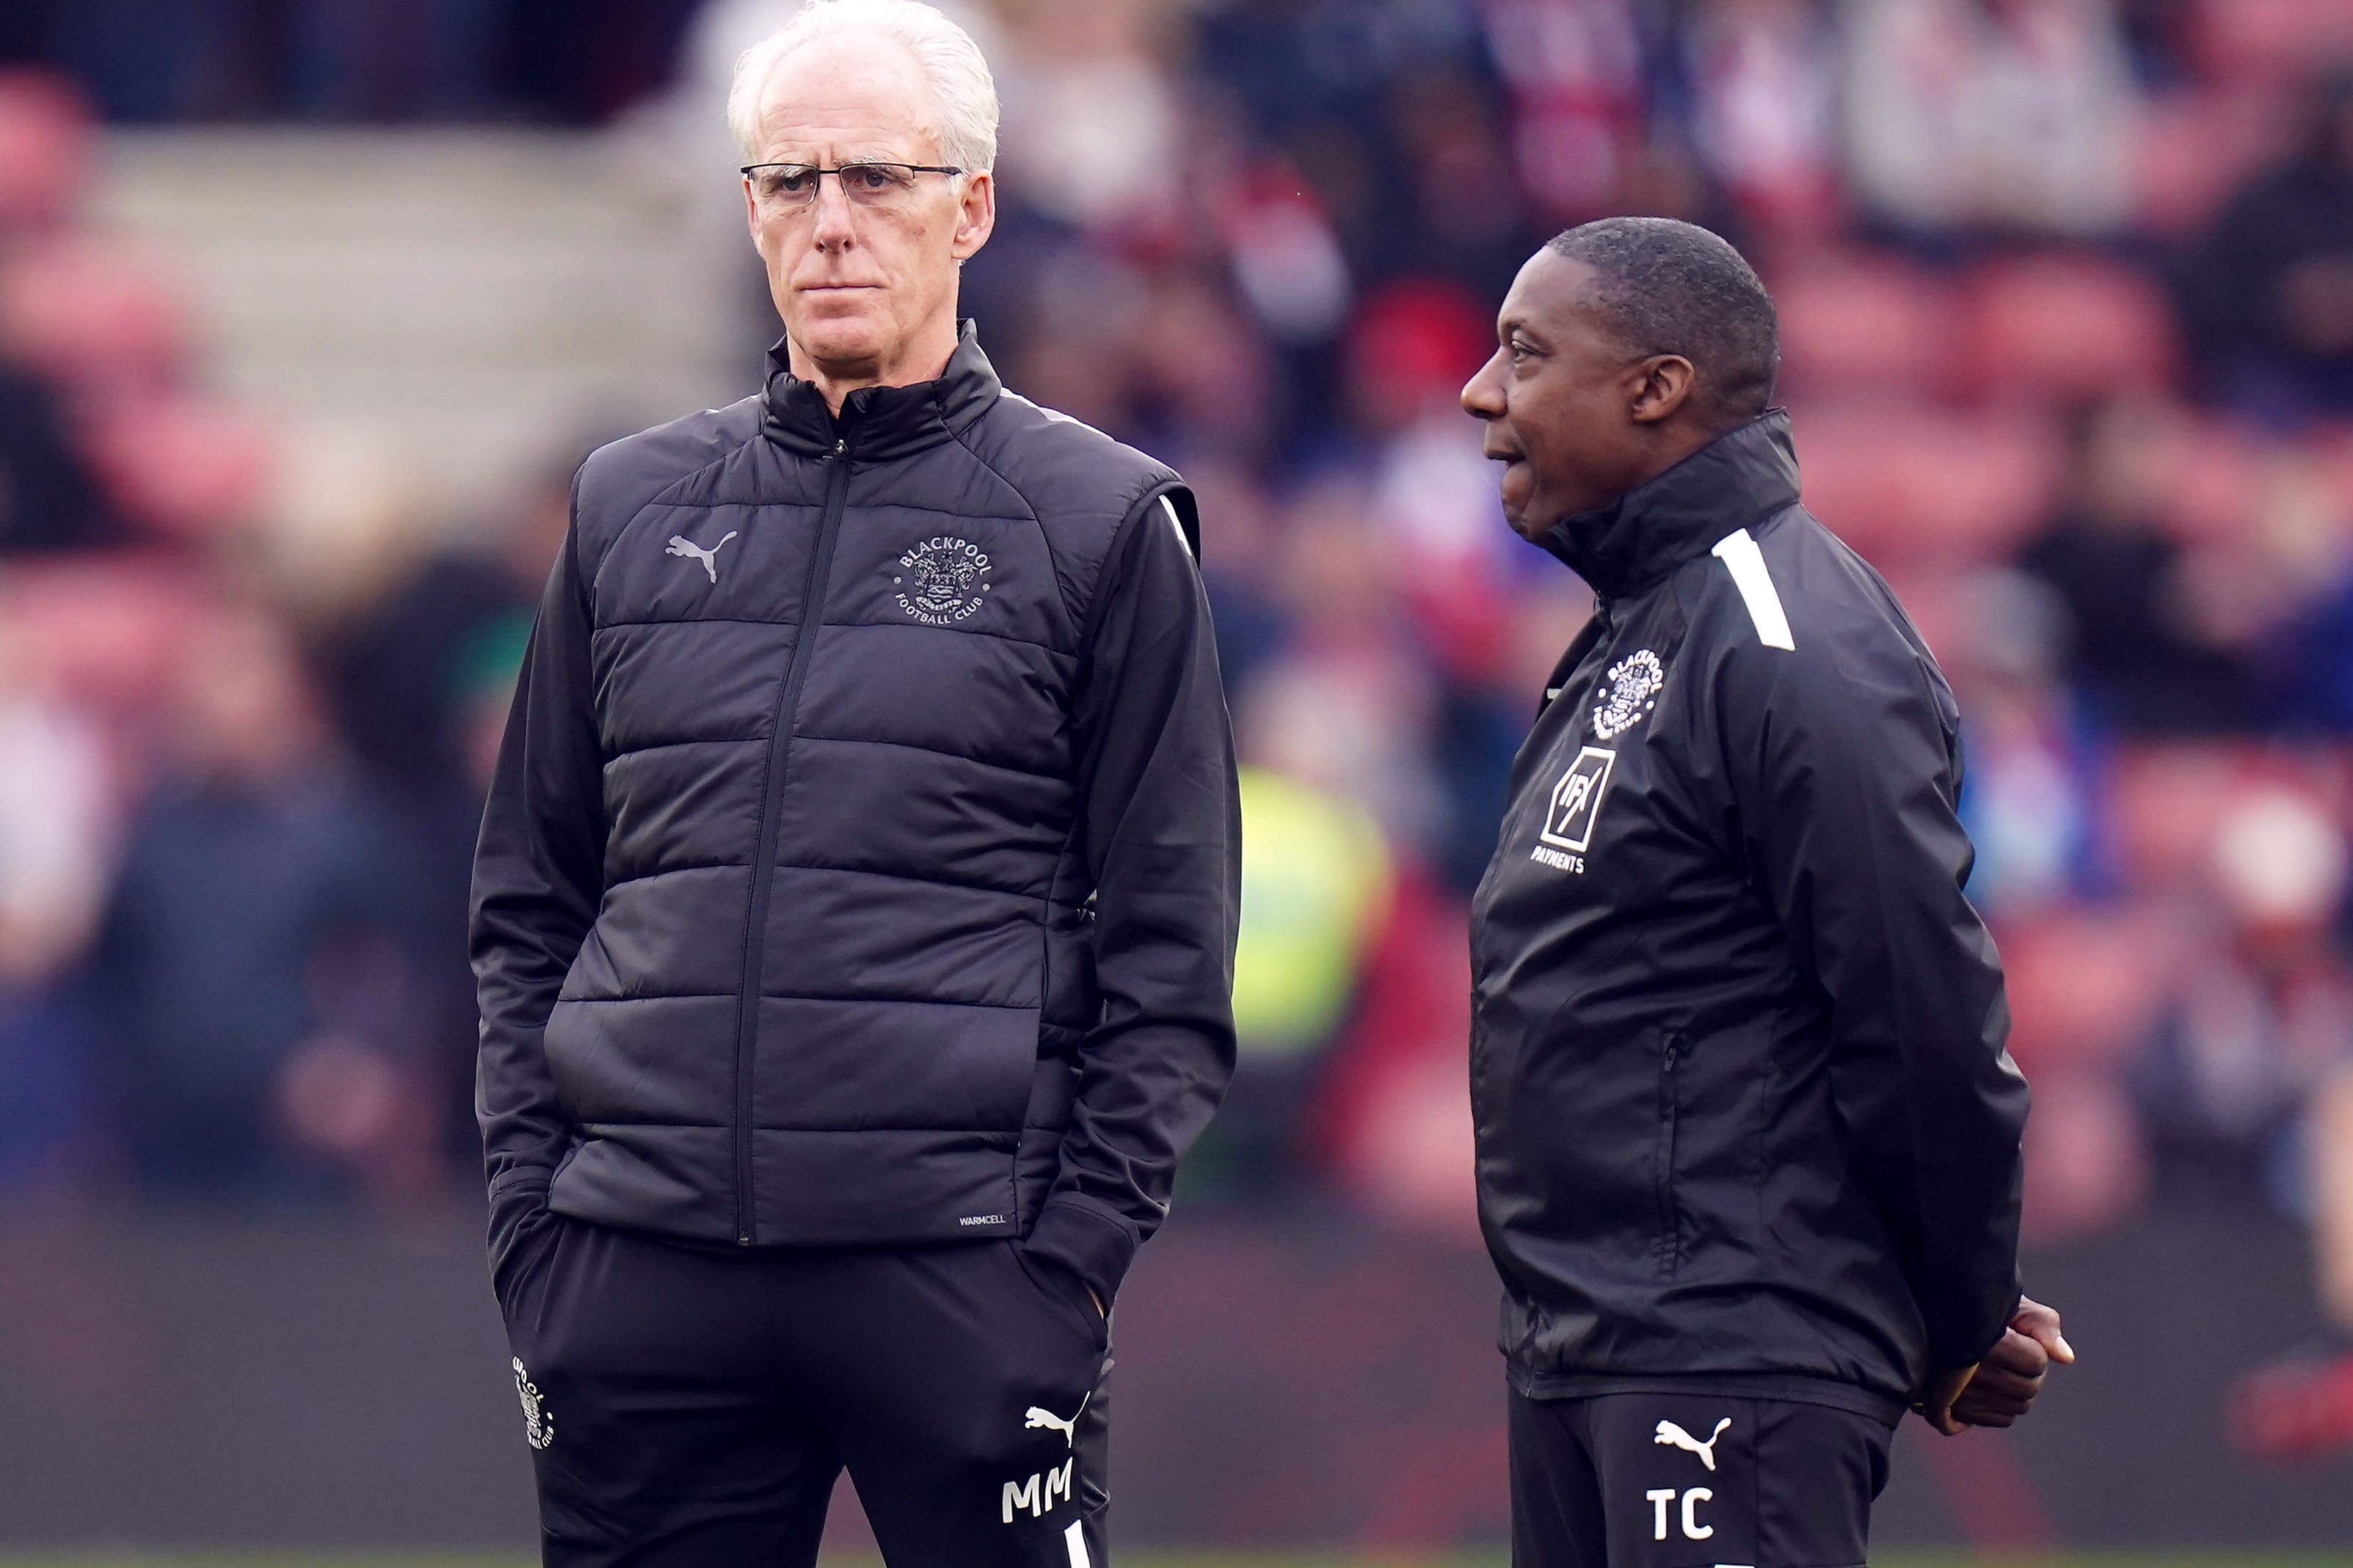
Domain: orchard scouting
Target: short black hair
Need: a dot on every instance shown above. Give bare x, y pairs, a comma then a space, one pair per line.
1672, 287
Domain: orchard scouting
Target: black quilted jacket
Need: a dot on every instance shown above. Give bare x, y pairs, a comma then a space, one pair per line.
863, 859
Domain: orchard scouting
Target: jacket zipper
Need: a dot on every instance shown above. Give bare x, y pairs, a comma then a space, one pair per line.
755, 914
1667, 1244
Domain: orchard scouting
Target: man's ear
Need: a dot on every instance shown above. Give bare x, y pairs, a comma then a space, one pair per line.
975, 215
1662, 383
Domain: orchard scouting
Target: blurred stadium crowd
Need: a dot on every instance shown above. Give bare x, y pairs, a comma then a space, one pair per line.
2067, 299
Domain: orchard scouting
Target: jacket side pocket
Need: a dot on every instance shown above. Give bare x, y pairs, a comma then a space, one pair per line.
520, 1225
1666, 1238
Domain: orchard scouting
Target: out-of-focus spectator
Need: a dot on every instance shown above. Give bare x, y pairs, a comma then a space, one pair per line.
2136, 642
1237, 567
418, 673
2269, 288
49, 499
1322, 889
1433, 511
1315, 896
1093, 123
246, 865
1346, 706
1764, 80
1575, 72
2303, 531
2032, 799
1396, 1118
2008, 115
55, 790
2299, 1409
2263, 1011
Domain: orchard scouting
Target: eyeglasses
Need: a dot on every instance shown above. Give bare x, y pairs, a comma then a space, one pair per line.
792, 188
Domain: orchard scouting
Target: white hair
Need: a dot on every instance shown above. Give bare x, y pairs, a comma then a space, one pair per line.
951, 61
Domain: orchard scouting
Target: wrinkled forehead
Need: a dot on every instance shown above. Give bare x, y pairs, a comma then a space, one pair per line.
848, 100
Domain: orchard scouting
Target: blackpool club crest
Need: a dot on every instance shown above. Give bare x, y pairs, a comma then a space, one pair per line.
538, 1424
1635, 683
942, 580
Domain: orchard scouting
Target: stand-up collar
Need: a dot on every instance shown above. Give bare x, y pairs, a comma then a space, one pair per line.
1741, 477
882, 422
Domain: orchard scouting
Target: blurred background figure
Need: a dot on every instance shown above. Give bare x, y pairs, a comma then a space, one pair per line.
308, 309
234, 940
2268, 288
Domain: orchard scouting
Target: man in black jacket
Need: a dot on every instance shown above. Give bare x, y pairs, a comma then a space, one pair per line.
1748, 1153
854, 908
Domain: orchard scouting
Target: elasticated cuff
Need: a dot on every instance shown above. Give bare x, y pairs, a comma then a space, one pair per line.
1092, 1241
517, 1176
1968, 1345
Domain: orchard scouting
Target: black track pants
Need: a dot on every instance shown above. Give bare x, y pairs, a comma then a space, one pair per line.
1691, 1480
690, 1408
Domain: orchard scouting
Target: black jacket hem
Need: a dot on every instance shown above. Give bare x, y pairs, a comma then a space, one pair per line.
1882, 1408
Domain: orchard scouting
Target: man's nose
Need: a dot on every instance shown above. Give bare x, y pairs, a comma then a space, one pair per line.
831, 219
1482, 397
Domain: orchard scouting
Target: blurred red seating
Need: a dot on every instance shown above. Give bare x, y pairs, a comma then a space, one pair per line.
1903, 484
45, 140
2209, 481
2191, 149
2164, 804
2073, 329
183, 468
2269, 41
104, 631
93, 318
2084, 985
2331, 447
1863, 324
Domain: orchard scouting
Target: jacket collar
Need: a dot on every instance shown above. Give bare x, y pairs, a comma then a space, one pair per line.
1741, 477
881, 423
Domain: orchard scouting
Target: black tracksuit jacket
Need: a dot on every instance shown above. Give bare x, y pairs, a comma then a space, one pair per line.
863, 859
1743, 1106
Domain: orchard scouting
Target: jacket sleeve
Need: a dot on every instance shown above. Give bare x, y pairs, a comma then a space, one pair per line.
1846, 774
538, 878
1160, 819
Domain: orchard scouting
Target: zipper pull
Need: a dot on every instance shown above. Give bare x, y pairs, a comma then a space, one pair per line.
842, 448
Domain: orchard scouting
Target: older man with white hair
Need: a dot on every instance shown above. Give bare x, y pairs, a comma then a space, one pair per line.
855, 904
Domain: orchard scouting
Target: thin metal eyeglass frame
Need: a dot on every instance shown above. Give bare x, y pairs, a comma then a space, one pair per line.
748, 170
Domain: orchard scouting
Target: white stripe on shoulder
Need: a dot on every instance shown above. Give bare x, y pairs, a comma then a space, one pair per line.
1075, 1539
1176, 522
1054, 416
1738, 552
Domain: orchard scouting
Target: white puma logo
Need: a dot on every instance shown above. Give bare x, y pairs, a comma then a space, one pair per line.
1038, 1416
679, 544
1674, 1436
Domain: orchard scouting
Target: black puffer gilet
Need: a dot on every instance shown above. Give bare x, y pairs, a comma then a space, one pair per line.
842, 957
